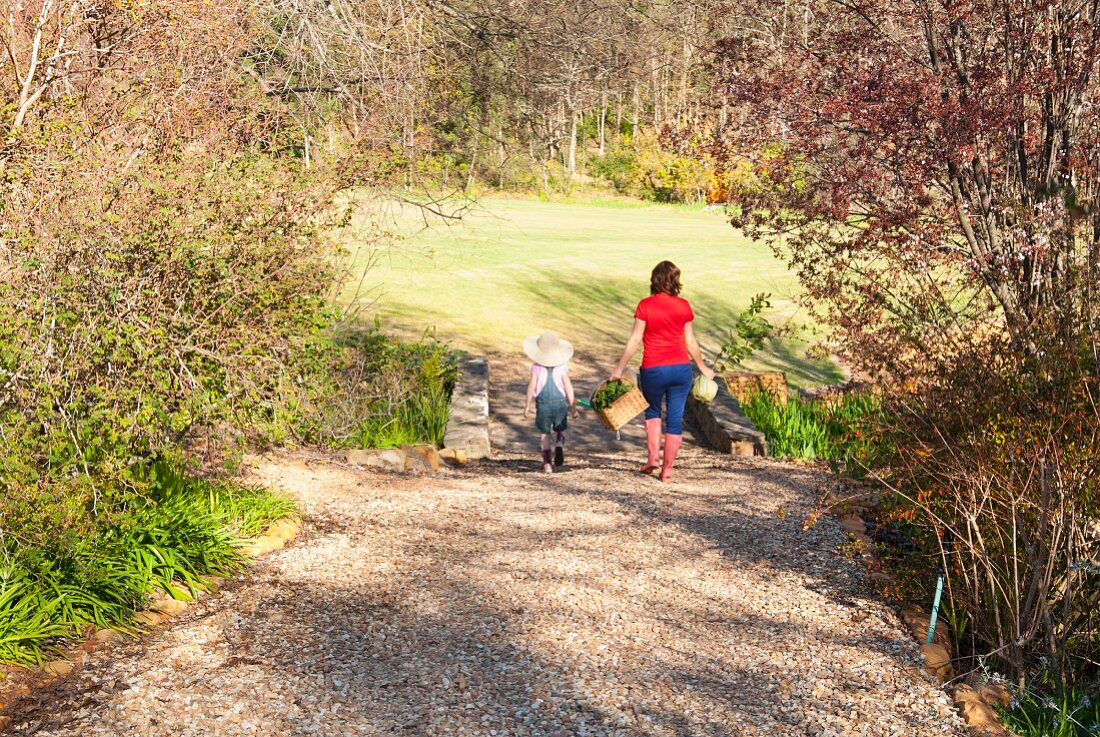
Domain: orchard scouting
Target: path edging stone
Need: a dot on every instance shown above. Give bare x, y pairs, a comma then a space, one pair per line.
468, 426
725, 426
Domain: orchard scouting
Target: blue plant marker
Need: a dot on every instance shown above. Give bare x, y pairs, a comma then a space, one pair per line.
935, 610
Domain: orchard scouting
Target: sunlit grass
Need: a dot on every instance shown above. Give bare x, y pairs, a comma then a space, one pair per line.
513, 267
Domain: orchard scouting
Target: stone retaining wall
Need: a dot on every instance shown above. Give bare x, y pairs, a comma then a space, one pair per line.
725, 427
468, 428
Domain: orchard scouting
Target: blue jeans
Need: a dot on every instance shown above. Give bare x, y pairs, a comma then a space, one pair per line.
668, 384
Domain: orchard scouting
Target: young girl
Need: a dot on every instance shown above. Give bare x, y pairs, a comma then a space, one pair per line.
551, 391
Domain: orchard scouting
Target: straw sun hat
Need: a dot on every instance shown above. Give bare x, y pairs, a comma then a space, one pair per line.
548, 349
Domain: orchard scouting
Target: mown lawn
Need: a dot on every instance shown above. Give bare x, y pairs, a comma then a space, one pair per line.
511, 268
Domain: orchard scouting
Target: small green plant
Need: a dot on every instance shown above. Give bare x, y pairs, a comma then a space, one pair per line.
748, 334
26, 619
610, 393
363, 388
1070, 713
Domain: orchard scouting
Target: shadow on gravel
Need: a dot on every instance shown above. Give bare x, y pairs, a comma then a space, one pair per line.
453, 659
753, 530
466, 636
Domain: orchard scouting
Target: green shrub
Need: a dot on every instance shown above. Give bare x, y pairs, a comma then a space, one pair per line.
1002, 467
649, 167
26, 618
620, 168
364, 388
164, 308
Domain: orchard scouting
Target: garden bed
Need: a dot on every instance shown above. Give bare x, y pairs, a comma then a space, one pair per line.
70, 569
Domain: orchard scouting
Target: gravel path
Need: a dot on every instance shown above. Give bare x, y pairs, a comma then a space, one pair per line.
499, 601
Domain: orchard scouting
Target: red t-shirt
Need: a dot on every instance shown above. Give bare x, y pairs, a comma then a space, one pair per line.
665, 317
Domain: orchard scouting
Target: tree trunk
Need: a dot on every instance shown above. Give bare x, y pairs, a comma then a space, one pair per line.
502, 156
637, 111
473, 166
655, 85
618, 113
682, 113
572, 163
603, 124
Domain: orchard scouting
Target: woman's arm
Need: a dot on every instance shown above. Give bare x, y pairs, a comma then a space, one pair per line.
695, 352
632, 346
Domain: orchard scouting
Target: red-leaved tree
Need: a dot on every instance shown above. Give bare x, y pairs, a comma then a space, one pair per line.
934, 164
930, 169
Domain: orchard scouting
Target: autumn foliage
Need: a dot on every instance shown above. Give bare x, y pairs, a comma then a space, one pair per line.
930, 168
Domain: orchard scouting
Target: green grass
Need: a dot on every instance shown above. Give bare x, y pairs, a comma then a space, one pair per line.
512, 267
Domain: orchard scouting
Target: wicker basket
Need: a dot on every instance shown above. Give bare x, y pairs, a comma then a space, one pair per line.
623, 410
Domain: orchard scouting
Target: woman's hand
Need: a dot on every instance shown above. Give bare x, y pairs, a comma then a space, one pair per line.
527, 412
616, 375
707, 372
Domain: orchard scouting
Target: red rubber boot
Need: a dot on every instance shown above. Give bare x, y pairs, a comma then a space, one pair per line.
653, 444
672, 447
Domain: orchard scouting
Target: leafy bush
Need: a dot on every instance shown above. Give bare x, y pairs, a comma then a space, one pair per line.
619, 167
1004, 468
669, 169
364, 388
166, 277
162, 532
154, 310
842, 429
992, 346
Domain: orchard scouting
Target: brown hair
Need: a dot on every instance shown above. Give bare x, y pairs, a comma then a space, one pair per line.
665, 278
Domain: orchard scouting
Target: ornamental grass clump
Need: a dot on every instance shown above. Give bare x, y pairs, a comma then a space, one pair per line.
843, 429
1068, 713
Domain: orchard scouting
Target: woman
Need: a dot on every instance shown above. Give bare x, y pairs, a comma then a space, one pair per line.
663, 326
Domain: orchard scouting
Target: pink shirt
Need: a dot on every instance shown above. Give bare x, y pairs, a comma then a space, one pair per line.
541, 373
